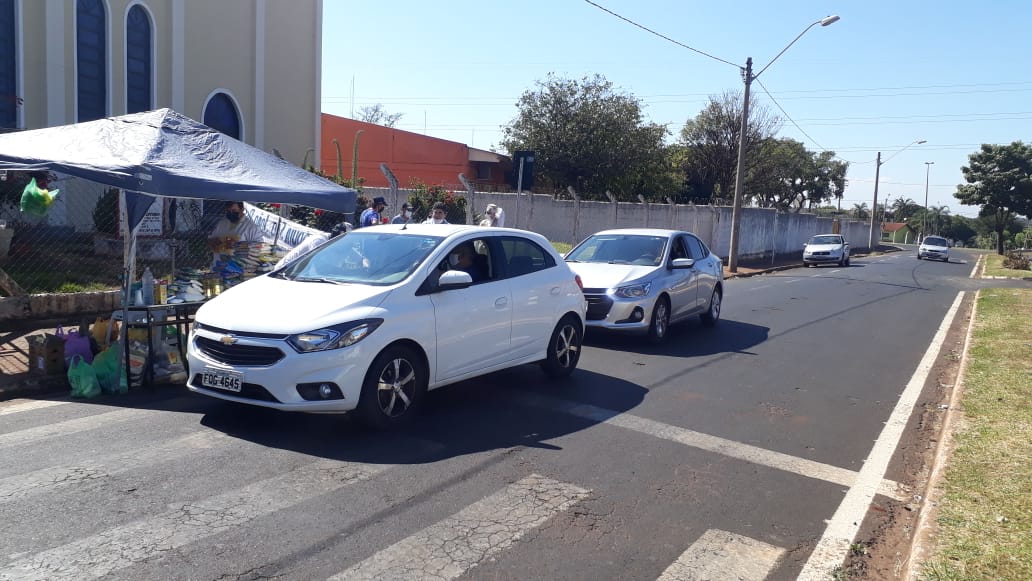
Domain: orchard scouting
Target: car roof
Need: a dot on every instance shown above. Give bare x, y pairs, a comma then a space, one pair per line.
829, 234
641, 232
450, 230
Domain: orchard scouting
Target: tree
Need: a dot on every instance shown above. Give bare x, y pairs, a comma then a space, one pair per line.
378, 115
904, 208
587, 135
860, 211
936, 216
787, 176
999, 179
712, 139
960, 229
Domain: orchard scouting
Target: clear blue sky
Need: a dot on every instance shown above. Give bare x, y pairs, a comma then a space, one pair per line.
887, 74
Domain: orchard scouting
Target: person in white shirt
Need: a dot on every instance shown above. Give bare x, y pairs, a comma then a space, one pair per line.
493, 216
235, 227
437, 214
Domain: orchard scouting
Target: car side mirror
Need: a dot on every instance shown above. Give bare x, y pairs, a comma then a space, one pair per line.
682, 263
454, 279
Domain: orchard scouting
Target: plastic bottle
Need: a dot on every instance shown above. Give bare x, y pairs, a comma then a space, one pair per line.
148, 286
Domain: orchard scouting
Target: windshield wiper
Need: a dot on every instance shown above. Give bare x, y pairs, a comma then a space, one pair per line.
319, 279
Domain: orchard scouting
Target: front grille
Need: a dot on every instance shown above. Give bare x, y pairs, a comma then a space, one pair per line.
598, 306
247, 390
238, 354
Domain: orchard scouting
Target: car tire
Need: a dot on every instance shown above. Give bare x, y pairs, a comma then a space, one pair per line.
387, 402
919, 257
847, 261
842, 262
564, 347
712, 314
659, 326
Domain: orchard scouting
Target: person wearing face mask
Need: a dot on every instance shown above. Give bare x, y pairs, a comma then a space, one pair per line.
235, 227
437, 214
404, 215
464, 258
371, 216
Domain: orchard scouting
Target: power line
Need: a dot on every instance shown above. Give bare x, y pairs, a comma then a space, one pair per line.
789, 117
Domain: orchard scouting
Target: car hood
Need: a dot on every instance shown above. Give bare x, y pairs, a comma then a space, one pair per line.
605, 275
273, 305
823, 247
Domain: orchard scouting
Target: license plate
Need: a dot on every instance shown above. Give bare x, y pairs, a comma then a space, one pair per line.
227, 380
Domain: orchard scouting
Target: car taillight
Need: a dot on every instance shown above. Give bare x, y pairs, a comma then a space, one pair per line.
580, 283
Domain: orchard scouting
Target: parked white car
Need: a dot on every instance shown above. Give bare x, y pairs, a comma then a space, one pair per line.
935, 247
826, 248
374, 319
642, 280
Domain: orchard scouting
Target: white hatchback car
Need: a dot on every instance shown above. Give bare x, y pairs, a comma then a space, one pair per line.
642, 280
935, 247
825, 249
372, 320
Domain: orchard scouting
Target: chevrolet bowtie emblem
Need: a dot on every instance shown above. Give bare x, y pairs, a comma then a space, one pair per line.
228, 340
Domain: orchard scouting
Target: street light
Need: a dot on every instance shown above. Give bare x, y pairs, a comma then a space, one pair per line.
748, 77
924, 218
874, 209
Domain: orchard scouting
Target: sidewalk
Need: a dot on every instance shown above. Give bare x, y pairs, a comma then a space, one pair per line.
16, 380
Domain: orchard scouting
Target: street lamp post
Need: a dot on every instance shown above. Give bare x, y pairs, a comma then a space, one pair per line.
874, 208
924, 218
748, 77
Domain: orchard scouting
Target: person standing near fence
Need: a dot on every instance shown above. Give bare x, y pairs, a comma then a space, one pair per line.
235, 227
493, 217
371, 216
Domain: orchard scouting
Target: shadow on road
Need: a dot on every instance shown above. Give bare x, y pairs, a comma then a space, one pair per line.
688, 339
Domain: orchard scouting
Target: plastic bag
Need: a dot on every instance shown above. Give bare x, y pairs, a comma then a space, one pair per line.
110, 374
83, 378
75, 344
36, 201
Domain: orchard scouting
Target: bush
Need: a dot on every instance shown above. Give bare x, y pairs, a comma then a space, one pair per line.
424, 197
1015, 261
105, 213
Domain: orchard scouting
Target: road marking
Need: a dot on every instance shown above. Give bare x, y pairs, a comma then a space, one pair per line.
833, 546
723, 555
186, 522
45, 481
29, 406
68, 427
730, 448
452, 547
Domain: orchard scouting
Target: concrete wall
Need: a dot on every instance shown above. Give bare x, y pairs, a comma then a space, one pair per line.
762, 231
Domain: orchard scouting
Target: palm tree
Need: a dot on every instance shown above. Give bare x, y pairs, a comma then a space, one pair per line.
860, 211
937, 214
903, 208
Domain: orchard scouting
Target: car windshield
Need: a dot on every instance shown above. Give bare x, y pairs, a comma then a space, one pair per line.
374, 258
620, 249
826, 240
935, 241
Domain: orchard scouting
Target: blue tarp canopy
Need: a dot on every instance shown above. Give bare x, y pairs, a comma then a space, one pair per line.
164, 153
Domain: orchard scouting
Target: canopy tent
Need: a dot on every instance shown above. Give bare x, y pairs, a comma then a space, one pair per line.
164, 153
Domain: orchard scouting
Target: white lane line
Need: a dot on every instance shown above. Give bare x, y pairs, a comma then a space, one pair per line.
730, 448
723, 555
974, 270
30, 406
186, 522
47, 480
69, 427
450, 548
833, 546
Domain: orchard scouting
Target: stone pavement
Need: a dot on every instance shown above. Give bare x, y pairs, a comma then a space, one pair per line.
16, 380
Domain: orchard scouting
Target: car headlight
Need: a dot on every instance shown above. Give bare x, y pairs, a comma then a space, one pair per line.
335, 337
633, 291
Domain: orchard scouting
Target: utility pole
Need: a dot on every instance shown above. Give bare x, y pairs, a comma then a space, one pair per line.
736, 207
924, 217
874, 209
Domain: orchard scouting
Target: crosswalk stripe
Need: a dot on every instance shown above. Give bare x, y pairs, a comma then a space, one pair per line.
47, 480
715, 444
30, 406
448, 549
186, 522
68, 427
723, 555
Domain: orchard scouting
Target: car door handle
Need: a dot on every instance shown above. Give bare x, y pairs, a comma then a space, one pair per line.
555, 291
501, 302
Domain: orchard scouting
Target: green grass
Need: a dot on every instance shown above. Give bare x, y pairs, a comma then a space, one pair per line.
994, 267
562, 247
985, 516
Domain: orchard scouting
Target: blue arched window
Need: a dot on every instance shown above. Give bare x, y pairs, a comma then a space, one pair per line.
91, 59
138, 62
222, 114
8, 67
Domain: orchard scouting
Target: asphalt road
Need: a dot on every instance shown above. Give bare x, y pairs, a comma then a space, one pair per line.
737, 450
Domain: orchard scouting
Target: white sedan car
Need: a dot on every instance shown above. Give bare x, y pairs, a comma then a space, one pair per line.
935, 247
374, 319
826, 249
641, 280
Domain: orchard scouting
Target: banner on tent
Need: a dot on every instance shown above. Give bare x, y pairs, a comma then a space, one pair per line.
290, 233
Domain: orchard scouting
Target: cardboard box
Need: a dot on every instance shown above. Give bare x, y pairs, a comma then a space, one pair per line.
46, 354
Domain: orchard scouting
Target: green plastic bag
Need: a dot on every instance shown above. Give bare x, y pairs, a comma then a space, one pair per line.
110, 375
83, 378
36, 201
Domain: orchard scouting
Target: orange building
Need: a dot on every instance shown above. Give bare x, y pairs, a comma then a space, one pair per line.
412, 157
